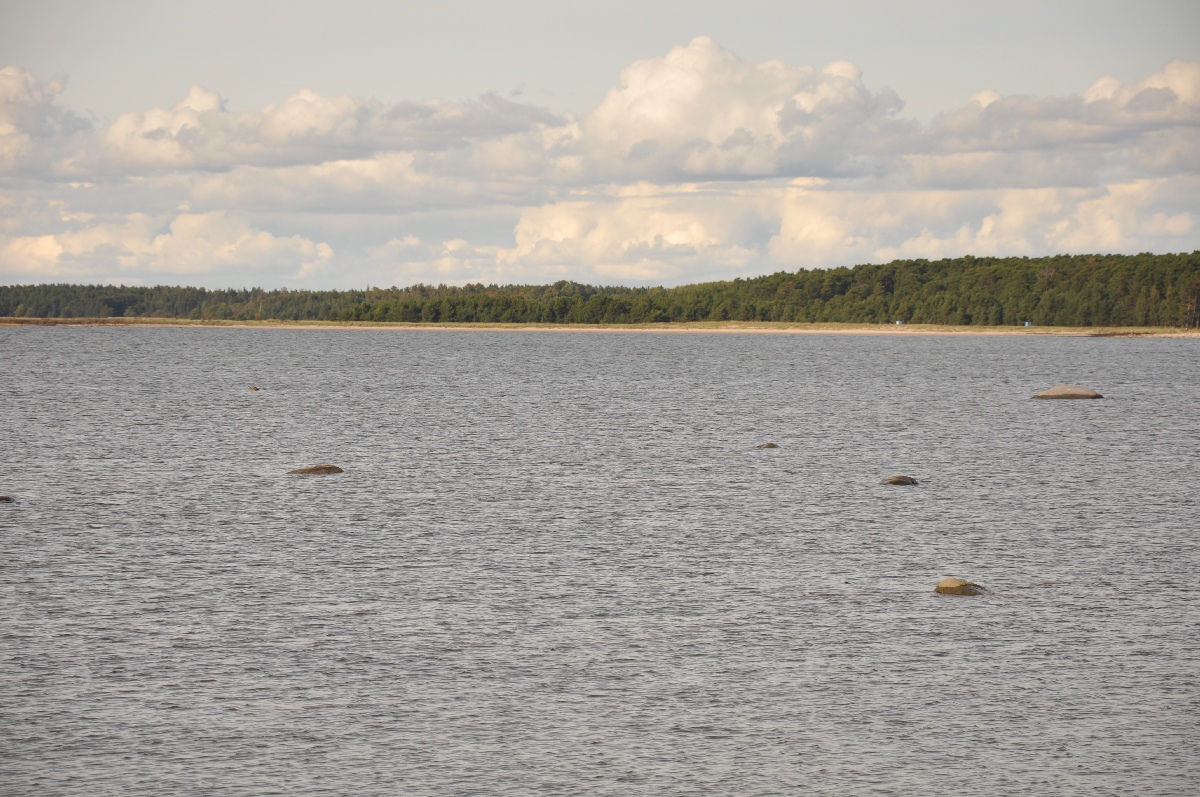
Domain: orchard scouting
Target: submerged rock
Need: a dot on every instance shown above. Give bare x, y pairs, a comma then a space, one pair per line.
956, 586
899, 479
766, 445
252, 387
316, 470
1068, 392
4, 499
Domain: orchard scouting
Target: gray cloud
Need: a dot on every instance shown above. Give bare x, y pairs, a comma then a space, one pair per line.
35, 132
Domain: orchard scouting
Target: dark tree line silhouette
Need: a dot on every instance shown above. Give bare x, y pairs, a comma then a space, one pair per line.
1080, 290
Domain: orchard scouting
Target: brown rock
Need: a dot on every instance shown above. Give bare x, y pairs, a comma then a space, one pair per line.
766, 445
4, 499
316, 470
899, 479
956, 586
252, 387
1068, 392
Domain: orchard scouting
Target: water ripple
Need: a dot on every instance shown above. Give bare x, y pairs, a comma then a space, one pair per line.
557, 564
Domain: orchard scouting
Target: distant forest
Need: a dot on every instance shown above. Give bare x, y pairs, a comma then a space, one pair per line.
1081, 290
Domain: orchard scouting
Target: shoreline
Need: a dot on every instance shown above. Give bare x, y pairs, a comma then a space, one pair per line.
693, 327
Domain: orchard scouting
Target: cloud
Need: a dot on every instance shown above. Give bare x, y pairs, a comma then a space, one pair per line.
821, 227
699, 232
34, 130
407, 260
701, 111
640, 233
1112, 130
139, 246
698, 164
306, 128
1107, 112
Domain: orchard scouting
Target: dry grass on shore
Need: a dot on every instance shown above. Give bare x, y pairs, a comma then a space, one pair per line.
728, 327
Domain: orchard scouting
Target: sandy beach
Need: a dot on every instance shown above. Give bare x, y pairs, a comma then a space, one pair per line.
695, 328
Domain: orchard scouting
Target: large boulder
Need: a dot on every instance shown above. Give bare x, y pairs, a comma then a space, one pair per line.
956, 586
898, 479
1068, 392
316, 470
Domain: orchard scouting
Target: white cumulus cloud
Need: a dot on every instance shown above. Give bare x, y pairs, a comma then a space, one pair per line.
140, 247
702, 111
697, 164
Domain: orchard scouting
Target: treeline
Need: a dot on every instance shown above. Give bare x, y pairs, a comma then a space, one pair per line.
1083, 290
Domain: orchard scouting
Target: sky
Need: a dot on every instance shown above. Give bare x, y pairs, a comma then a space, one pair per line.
323, 145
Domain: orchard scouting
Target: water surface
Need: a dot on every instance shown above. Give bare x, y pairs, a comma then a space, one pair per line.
557, 564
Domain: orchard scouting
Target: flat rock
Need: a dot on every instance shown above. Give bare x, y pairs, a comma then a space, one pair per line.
766, 445
1068, 392
957, 586
898, 479
4, 499
316, 470
252, 387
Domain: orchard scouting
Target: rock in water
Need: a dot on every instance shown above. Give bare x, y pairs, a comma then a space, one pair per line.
1068, 392
4, 499
956, 586
316, 470
766, 445
899, 479
252, 387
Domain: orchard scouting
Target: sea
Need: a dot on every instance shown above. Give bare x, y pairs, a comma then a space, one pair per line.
558, 563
